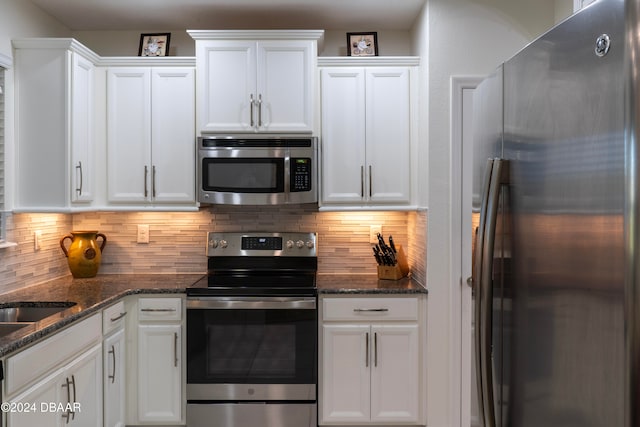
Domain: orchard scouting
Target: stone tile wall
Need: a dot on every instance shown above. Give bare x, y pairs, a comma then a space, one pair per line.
177, 239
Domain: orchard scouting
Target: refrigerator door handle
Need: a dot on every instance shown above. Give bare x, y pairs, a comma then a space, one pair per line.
497, 176
476, 272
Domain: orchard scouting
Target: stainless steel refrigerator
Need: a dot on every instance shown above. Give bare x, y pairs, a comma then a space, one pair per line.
556, 190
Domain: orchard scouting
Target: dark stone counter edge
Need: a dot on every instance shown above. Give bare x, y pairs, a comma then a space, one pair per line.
31, 334
366, 284
327, 285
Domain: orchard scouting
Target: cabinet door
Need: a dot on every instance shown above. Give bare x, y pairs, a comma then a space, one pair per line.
114, 379
173, 135
85, 376
128, 134
395, 373
343, 134
226, 85
388, 135
285, 86
159, 373
47, 390
345, 373
82, 128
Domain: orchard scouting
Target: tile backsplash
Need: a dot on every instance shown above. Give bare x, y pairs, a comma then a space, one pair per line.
177, 239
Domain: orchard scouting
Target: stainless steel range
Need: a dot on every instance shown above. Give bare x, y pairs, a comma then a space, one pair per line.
252, 332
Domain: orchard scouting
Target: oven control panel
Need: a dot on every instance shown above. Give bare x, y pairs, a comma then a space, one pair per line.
261, 244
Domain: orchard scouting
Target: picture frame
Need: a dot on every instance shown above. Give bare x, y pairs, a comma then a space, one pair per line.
154, 44
362, 44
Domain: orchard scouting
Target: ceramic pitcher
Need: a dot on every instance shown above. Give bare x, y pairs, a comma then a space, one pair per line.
84, 254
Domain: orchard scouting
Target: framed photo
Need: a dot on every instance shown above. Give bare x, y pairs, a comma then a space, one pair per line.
362, 44
156, 44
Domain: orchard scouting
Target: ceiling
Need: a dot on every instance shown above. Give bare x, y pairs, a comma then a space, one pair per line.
120, 15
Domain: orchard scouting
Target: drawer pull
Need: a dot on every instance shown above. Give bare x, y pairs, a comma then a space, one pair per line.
120, 316
361, 310
158, 310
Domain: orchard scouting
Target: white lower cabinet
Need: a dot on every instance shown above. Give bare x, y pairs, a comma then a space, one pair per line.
71, 396
114, 361
54, 384
159, 376
371, 369
157, 366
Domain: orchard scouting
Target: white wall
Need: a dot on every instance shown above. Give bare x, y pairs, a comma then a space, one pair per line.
126, 43
20, 18
456, 38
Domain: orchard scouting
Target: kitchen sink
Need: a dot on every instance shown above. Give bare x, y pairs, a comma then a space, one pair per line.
28, 312
7, 328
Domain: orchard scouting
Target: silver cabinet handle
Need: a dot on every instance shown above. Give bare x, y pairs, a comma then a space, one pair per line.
158, 310
364, 310
175, 349
251, 104
79, 169
260, 110
366, 351
153, 181
370, 182
375, 349
73, 383
120, 316
67, 414
112, 352
146, 188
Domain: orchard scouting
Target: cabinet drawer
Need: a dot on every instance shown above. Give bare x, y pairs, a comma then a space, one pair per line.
154, 309
370, 309
113, 317
30, 364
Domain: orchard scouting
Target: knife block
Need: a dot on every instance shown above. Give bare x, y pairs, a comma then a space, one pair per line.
395, 272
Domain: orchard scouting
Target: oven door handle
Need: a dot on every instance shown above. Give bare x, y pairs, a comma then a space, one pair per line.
252, 303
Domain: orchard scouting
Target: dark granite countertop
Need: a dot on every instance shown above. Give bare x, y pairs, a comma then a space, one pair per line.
89, 295
366, 284
92, 295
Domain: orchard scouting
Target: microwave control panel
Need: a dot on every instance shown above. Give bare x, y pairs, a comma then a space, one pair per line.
300, 174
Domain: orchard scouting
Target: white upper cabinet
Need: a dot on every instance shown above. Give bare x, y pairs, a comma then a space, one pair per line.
256, 81
151, 136
368, 137
55, 125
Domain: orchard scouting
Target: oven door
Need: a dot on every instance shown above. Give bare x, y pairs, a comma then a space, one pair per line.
251, 348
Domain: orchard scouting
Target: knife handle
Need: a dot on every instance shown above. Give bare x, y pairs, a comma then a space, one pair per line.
392, 245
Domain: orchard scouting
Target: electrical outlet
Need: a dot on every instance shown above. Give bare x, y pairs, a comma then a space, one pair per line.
374, 230
143, 233
37, 237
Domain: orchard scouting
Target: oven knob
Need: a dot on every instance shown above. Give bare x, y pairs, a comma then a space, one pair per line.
289, 244
310, 244
300, 244
223, 243
213, 243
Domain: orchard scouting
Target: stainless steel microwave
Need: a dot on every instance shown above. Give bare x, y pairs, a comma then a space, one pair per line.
257, 170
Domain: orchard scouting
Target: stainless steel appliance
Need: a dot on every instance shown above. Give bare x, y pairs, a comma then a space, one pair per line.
257, 170
556, 257
252, 332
